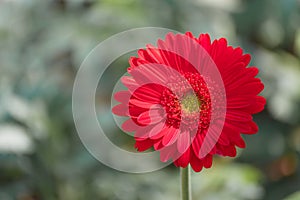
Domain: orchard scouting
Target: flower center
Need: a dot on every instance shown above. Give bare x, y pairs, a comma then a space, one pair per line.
190, 103
191, 107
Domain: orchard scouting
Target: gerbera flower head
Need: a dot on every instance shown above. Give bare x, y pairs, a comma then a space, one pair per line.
190, 99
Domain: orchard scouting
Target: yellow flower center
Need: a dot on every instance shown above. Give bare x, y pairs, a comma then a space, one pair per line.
190, 103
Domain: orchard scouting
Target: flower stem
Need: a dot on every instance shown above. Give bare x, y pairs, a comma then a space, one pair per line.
185, 183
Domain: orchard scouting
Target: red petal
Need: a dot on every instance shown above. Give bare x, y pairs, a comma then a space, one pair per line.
130, 83
150, 73
246, 128
170, 136
158, 128
197, 143
238, 116
166, 153
207, 161
158, 145
121, 110
162, 133
183, 142
148, 93
129, 126
227, 150
152, 116
122, 96
143, 145
196, 163
204, 40
139, 103
183, 160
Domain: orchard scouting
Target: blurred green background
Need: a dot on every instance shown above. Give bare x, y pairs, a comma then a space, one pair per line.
42, 44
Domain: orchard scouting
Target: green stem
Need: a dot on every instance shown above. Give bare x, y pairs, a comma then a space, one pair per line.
185, 183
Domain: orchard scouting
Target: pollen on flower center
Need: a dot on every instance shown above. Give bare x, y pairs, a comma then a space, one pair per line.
190, 103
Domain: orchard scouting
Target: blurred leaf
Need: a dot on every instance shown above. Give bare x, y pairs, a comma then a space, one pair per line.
295, 196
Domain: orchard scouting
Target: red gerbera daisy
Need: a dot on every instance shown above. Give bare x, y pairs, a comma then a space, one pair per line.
190, 99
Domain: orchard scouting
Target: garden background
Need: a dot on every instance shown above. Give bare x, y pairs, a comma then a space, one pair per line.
43, 43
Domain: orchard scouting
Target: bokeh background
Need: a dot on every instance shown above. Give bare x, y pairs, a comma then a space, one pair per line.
43, 43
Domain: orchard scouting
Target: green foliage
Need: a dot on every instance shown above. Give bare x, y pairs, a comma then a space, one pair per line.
294, 196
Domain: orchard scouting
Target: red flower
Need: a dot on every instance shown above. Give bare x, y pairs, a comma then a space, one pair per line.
190, 99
